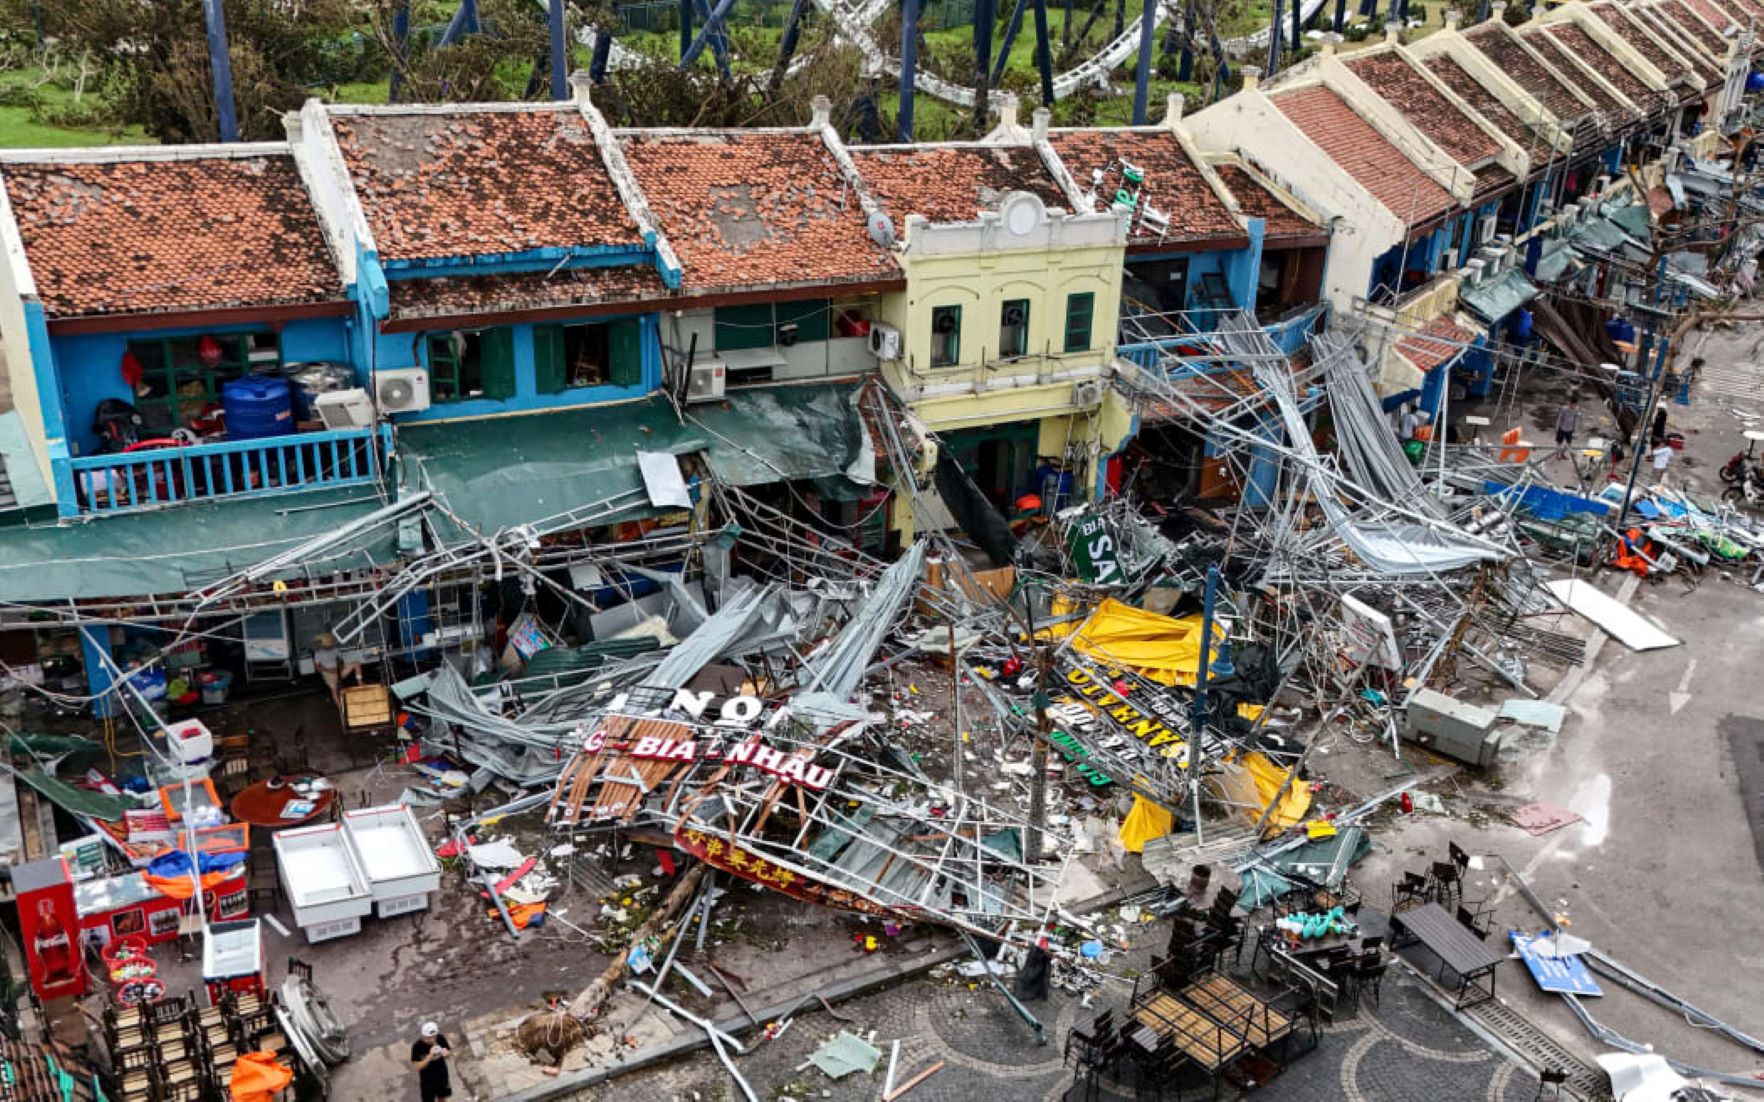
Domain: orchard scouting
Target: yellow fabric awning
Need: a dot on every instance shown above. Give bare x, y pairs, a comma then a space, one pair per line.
1145, 822
1165, 649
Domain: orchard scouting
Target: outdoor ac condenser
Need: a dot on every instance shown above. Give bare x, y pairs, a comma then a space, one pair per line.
344, 409
402, 389
884, 341
706, 381
1087, 392
1451, 727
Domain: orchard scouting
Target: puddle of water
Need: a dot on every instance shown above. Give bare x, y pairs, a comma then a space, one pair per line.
1592, 802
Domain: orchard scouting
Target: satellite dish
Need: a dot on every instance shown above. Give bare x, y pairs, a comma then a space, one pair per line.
882, 229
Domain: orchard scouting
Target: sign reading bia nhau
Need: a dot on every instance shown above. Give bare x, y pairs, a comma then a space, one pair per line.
737, 712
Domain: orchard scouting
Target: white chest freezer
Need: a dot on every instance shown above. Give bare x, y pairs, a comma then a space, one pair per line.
324, 883
390, 848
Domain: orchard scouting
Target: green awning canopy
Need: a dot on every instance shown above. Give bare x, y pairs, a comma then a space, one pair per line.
1558, 260
21, 480
501, 472
497, 473
1598, 234
783, 433
1633, 219
1493, 299
177, 549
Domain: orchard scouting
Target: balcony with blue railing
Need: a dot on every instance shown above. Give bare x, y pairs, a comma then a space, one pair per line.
157, 477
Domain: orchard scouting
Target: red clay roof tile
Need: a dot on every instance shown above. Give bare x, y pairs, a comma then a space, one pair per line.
495, 294
1574, 39
1435, 344
1514, 60
1173, 185
1278, 220
480, 183
1486, 103
1405, 89
1708, 63
1713, 14
755, 208
1365, 154
954, 183
157, 236
1691, 26
1561, 58
1644, 43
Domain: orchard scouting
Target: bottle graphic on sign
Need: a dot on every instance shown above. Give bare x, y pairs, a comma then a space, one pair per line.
53, 946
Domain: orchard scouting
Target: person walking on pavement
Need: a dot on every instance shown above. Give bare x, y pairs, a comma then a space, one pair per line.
428, 1055
1567, 424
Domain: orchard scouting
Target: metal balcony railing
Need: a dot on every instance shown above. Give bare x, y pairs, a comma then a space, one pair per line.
159, 477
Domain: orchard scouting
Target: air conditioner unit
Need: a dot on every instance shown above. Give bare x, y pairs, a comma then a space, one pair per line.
1485, 229
401, 390
705, 382
1087, 392
344, 409
884, 341
1473, 273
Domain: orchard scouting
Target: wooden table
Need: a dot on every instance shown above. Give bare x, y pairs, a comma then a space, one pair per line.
1197, 1037
261, 806
1455, 946
1224, 1001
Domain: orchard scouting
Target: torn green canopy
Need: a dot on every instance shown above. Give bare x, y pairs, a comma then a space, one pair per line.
177, 549
785, 433
1492, 299
500, 472
80, 801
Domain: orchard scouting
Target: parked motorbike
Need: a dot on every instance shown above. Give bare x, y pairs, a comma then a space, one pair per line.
1749, 492
1732, 469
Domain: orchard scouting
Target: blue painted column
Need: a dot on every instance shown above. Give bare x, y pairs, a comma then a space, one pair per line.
1274, 36
1262, 481
685, 27
1243, 269
909, 64
1043, 53
100, 664
985, 15
225, 108
560, 52
1012, 26
1148, 26
1340, 15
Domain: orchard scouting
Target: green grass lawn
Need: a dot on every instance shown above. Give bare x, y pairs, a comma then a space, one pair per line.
22, 128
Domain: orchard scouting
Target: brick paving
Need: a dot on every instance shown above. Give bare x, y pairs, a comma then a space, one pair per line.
1406, 1047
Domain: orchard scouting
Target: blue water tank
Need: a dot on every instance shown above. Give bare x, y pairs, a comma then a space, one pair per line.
1754, 82
257, 406
1620, 329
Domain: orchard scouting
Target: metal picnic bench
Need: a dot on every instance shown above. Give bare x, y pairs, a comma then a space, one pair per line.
1456, 947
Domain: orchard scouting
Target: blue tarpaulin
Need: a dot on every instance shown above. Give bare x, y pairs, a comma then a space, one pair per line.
1545, 503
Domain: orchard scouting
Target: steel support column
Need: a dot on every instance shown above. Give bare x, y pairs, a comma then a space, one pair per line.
225, 108
1148, 25
1044, 52
1275, 33
985, 15
1012, 26
400, 48
560, 52
709, 34
909, 64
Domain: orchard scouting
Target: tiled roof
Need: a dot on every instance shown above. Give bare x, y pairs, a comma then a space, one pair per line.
1574, 38
1173, 185
1643, 42
954, 183
1514, 60
1686, 44
1365, 154
755, 208
1486, 103
157, 236
1490, 179
1691, 26
478, 183
497, 294
1279, 220
1562, 58
1432, 113
1712, 14
1435, 344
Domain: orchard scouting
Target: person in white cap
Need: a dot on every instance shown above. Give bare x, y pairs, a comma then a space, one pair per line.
429, 1056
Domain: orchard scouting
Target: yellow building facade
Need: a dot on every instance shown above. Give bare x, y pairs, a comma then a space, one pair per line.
1006, 349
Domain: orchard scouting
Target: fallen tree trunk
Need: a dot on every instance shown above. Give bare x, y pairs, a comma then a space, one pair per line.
588, 1002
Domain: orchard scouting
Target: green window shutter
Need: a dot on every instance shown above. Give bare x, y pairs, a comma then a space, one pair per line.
624, 347
548, 359
1080, 310
810, 318
498, 362
740, 327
